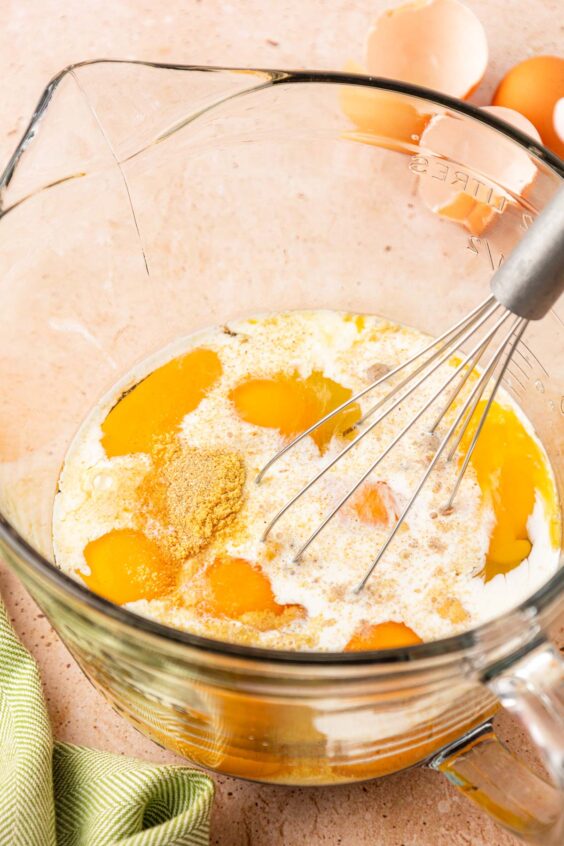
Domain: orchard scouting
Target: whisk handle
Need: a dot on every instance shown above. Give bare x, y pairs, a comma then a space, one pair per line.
530, 281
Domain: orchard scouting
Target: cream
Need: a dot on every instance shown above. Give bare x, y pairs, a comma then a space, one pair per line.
429, 569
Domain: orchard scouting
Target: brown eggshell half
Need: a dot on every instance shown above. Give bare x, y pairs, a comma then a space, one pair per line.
439, 44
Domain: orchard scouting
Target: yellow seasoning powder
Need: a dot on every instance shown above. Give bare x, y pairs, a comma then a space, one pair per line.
192, 494
185, 499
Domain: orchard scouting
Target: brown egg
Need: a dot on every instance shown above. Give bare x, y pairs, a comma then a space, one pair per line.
534, 88
466, 191
440, 44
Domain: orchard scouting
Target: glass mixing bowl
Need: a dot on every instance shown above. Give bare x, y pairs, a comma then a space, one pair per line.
145, 202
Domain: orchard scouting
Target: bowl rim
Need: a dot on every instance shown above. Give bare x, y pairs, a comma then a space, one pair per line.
48, 571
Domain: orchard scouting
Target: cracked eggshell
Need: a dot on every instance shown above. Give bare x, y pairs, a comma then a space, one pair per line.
487, 162
439, 44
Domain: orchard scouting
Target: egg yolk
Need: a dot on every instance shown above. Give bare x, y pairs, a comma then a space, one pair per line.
389, 635
374, 504
157, 405
510, 468
237, 587
126, 565
292, 404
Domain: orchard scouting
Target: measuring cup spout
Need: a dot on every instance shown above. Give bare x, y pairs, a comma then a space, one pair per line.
76, 130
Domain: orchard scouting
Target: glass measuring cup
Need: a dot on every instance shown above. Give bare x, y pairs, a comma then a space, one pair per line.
146, 202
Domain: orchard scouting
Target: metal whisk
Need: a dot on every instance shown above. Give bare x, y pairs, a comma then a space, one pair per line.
523, 289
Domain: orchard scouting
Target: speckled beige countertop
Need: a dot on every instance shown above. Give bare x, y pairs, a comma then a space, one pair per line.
39, 37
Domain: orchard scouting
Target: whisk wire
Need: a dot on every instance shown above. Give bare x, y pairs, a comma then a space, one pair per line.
484, 378
457, 388
398, 437
449, 345
518, 334
460, 325
487, 313
478, 396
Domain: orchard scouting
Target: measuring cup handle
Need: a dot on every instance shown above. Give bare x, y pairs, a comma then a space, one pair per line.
482, 768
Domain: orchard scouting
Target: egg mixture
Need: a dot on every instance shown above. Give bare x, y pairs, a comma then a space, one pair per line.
158, 508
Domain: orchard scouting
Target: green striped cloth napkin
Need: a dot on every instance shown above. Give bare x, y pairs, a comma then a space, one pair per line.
55, 794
